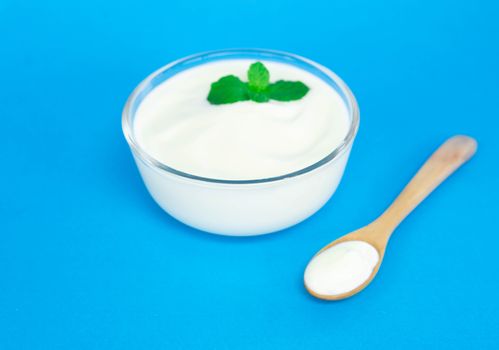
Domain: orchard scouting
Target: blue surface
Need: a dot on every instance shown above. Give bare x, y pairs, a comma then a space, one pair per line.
87, 259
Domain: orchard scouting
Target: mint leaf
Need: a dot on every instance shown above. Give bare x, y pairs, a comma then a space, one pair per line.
258, 77
287, 90
228, 89
259, 97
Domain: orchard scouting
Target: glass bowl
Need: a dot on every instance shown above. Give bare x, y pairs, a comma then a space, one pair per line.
241, 207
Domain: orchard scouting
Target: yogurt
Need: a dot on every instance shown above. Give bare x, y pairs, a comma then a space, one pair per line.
341, 268
246, 168
177, 126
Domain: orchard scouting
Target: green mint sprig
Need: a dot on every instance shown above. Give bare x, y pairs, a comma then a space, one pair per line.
231, 89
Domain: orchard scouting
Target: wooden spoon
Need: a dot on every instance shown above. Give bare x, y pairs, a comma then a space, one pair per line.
446, 159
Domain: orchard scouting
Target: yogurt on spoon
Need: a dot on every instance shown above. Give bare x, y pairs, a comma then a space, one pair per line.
341, 268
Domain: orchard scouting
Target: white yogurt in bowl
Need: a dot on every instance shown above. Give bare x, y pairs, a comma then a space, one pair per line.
239, 141
244, 168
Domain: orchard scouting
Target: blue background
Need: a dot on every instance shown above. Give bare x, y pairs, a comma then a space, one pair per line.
87, 259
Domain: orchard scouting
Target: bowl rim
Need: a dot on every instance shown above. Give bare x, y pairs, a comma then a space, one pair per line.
151, 161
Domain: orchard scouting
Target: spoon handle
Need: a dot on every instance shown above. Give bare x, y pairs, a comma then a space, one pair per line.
447, 158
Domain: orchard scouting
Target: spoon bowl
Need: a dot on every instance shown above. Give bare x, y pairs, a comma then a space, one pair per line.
369, 234
446, 159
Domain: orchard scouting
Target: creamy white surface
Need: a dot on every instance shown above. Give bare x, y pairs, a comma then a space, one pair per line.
176, 125
341, 268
